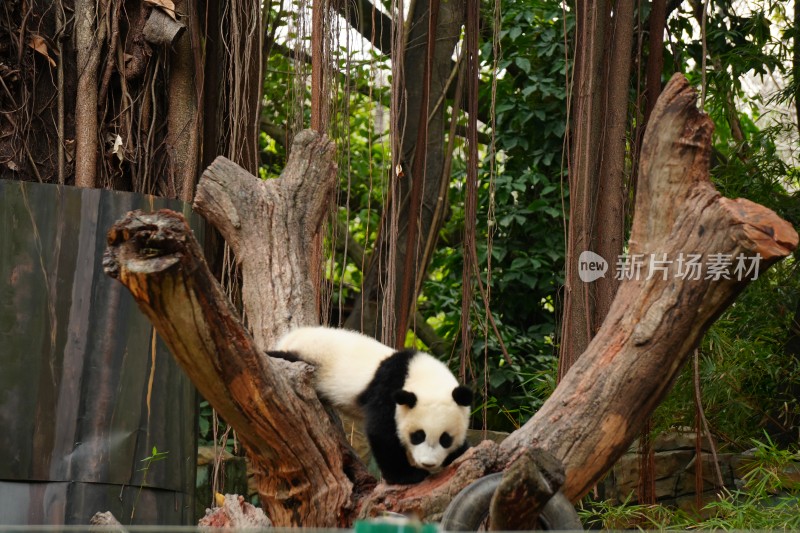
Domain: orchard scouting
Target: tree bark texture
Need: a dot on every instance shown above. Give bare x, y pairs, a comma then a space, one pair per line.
270, 225
97, 105
88, 35
589, 421
612, 191
184, 121
598, 181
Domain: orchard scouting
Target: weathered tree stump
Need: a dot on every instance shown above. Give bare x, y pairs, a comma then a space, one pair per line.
299, 451
527, 485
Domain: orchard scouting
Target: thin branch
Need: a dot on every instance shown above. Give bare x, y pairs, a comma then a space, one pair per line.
702, 416
113, 41
60, 26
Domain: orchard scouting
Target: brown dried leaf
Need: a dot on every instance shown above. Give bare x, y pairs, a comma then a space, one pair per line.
118, 149
168, 6
39, 45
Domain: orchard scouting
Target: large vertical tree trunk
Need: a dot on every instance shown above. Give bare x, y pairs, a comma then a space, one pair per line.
597, 167
184, 121
612, 191
417, 112
585, 130
590, 420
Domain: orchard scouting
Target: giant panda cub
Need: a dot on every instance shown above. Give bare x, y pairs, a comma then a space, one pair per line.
414, 411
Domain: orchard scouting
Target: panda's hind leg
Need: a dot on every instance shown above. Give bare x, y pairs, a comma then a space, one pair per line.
287, 356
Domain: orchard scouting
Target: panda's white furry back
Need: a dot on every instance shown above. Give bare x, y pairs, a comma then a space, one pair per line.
345, 362
415, 413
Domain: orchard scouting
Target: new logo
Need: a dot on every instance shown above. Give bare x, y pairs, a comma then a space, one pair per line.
591, 267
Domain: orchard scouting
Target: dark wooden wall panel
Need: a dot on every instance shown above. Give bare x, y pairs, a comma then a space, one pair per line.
86, 387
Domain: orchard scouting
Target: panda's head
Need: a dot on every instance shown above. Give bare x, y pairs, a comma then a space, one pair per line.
433, 424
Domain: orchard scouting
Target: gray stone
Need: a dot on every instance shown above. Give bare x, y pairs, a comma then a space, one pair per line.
626, 472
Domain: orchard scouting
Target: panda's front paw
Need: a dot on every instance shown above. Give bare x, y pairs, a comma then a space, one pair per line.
409, 477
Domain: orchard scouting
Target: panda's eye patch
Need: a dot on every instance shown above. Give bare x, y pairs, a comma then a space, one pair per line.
418, 437
446, 440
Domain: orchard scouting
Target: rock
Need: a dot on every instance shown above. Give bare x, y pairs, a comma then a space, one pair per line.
683, 439
626, 472
674, 470
234, 512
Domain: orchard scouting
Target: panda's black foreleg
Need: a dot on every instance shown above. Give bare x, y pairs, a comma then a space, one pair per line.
391, 457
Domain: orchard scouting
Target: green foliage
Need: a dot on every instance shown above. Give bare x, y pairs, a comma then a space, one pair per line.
768, 471
745, 374
154, 457
148, 461
769, 500
740, 510
523, 267
741, 45
363, 166
739, 41
627, 515
213, 431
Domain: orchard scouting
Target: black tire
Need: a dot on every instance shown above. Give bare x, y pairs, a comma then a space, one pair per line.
470, 508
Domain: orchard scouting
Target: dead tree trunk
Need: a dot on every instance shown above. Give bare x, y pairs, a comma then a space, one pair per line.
593, 415
655, 323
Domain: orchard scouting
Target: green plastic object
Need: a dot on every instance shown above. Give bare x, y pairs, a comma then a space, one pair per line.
394, 524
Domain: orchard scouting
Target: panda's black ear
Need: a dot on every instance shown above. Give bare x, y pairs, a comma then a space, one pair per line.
462, 395
403, 397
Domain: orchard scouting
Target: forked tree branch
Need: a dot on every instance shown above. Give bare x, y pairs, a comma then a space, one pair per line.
588, 422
